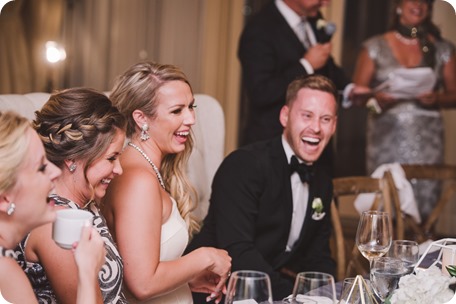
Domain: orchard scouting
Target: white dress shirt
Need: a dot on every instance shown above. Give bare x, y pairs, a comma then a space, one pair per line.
300, 194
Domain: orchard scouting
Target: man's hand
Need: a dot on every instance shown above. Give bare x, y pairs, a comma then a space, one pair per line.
318, 54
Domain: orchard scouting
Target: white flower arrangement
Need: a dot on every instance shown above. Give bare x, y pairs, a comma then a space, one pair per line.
317, 207
427, 286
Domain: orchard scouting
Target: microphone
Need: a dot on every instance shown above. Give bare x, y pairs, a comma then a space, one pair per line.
327, 30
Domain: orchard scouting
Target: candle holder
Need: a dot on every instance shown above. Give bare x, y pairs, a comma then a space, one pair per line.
359, 292
446, 255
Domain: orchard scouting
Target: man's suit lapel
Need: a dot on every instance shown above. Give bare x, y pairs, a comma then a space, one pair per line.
280, 166
283, 28
282, 175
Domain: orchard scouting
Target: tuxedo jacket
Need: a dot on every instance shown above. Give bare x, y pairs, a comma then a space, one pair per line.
250, 216
269, 52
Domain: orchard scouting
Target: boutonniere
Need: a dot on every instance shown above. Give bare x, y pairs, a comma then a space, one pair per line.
321, 23
317, 207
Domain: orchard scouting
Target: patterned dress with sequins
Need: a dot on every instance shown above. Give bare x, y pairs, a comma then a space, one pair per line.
406, 132
7, 253
110, 277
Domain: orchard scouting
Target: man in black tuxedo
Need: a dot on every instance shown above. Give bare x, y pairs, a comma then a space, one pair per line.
274, 49
265, 214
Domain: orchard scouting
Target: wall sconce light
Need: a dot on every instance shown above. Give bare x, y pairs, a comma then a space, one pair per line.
54, 54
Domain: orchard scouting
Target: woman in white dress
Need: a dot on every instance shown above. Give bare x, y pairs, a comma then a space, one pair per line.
148, 208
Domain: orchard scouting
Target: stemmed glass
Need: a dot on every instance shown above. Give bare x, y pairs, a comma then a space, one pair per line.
407, 251
249, 286
313, 287
385, 274
373, 236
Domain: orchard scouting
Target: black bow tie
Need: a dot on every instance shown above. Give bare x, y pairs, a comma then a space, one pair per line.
305, 172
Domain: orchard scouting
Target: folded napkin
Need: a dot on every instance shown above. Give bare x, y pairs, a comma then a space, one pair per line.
364, 201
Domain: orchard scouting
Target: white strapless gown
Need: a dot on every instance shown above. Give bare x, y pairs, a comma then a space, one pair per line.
174, 239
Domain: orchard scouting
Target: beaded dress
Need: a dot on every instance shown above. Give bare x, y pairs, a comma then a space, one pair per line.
406, 132
110, 276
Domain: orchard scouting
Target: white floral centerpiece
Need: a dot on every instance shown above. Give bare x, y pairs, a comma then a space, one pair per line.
427, 286
430, 285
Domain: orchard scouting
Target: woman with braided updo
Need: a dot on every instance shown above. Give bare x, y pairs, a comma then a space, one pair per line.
83, 134
410, 127
149, 207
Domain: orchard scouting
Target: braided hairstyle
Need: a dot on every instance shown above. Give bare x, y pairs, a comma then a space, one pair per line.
77, 124
137, 89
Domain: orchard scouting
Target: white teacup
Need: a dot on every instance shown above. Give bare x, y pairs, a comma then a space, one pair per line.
68, 226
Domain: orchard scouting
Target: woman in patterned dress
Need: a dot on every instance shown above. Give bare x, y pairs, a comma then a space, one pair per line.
83, 135
410, 127
26, 177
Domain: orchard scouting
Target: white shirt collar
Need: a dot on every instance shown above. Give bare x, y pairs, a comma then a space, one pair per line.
290, 15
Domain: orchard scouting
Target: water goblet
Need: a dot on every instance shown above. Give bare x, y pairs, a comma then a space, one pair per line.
314, 287
385, 274
407, 251
373, 236
249, 286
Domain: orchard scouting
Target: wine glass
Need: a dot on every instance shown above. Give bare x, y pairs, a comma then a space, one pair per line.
250, 285
313, 287
373, 236
385, 274
407, 251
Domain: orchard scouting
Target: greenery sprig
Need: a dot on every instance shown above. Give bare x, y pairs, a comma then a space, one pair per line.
451, 270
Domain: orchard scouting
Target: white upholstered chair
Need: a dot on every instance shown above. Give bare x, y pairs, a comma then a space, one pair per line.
209, 132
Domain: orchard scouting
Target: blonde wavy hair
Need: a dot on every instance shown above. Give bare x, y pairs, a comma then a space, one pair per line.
136, 89
13, 147
77, 124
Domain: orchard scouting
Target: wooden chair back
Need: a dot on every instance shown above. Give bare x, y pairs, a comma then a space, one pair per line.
444, 173
352, 186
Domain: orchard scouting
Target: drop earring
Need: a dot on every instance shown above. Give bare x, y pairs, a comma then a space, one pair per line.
72, 167
399, 11
144, 135
11, 208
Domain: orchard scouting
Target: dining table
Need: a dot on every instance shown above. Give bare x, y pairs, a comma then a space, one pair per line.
427, 262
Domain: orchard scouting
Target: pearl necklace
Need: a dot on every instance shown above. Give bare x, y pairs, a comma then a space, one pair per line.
405, 40
160, 179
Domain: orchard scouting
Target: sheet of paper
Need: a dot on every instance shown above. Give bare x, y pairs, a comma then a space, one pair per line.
406, 83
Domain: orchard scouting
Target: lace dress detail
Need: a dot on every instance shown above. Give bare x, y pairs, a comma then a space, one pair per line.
174, 239
406, 132
110, 276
